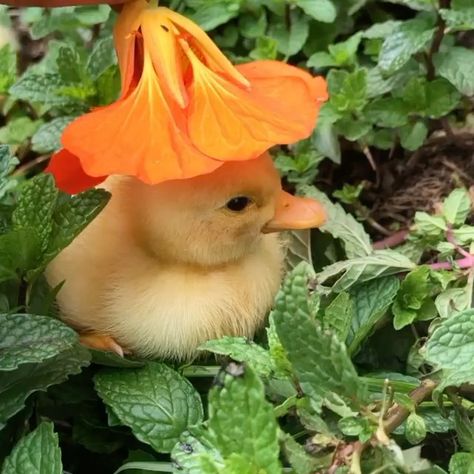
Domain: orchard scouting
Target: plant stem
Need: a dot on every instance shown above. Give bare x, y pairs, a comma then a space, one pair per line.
436, 43
399, 414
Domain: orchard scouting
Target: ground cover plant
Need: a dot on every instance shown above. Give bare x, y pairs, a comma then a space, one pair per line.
366, 363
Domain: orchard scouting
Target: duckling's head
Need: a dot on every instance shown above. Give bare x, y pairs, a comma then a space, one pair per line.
217, 218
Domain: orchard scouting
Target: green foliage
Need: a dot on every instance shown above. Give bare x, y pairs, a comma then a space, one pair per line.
348, 344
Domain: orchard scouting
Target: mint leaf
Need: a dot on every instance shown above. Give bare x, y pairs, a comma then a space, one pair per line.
461, 463
241, 422
322, 10
456, 207
342, 225
347, 90
413, 298
407, 38
25, 338
387, 112
415, 429
210, 15
457, 66
35, 207
101, 57
291, 36
451, 345
241, 350
7, 68
347, 273
18, 130
452, 300
318, 358
412, 136
338, 315
441, 98
371, 302
17, 385
48, 137
71, 216
36, 453
156, 402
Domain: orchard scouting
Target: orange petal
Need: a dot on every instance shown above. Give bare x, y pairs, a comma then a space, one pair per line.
160, 41
125, 30
69, 175
214, 57
230, 123
141, 135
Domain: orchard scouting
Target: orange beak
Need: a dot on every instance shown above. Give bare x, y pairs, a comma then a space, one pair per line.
295, 213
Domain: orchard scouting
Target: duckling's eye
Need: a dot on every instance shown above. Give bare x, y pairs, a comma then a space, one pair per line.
238, 203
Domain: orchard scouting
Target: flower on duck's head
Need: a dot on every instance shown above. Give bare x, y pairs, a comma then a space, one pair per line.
184, 109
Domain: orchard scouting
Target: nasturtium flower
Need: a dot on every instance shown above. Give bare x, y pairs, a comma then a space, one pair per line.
184, 109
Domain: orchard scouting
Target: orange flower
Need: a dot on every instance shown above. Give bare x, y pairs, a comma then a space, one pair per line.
184, 108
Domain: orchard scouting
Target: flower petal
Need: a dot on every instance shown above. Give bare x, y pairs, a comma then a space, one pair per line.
140, 135
69, 175
160, 41
230, 123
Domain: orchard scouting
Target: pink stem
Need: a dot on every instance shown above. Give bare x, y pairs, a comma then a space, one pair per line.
466, 262
391, 241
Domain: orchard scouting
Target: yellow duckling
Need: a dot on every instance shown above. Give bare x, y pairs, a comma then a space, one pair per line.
166, 267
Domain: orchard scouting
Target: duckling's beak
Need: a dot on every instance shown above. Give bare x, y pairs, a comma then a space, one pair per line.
294, 212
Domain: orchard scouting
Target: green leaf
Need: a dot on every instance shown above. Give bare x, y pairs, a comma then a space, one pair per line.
7, 68
36, 453
464, 235
241, 350
252, 25
415, 428
26, 338
16, 386
92, 14
265, 48
441, 98
337, 317
428, 226
387, 112
326, 141
456, 207
156, 402
344, 52
459, 20
452, 300
413, 293
7, 165
453, 378
321, 60
321, 10
242, 422
457, 66
347, 90
371, 302
18, 130
380, 263
353, 129
101, 57
300, 460
48, 137
69, 65
35, 207
41, 88
464, 428
412, 136
291, 36
210, 15
451, 345
407, 38
381, 30
342, 225
461, 463
318, 358
72, 215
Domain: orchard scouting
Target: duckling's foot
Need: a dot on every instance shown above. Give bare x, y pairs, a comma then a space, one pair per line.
101, 342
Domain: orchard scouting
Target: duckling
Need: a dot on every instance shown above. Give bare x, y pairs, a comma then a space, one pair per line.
166, 267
